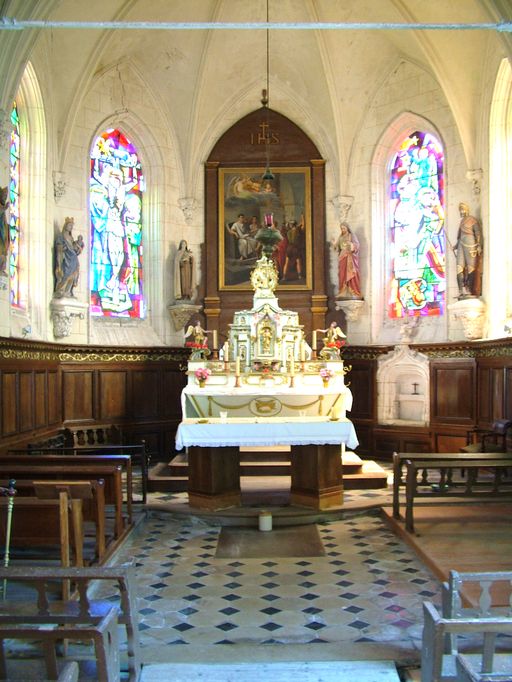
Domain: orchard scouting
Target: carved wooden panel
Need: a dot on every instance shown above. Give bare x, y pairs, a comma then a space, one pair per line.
173, 383
449, 442
453, 391
10, 403
78, 395
26, 401
112, 394
361, 381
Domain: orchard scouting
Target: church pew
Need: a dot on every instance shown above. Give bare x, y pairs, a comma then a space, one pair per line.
111, 474
34, 510
39, 608
399, 459
64, 458
472, 487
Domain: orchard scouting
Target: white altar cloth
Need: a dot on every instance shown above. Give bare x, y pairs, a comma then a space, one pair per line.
250, 431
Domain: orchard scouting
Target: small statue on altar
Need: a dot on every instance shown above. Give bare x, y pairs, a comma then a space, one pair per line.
198, 341
333, 340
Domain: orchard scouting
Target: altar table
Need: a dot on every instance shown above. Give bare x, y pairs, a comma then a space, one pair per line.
214, 460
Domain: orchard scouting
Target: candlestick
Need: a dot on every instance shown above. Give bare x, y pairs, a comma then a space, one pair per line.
313, 345
215, 340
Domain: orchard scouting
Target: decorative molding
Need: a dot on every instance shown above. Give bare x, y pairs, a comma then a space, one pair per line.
181, 314
471, 312
60, 184
189, 206
351, 308
62, 313
475, 176
342, 203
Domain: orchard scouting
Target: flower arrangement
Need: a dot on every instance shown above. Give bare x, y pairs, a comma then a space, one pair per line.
202, 373
326, 373
339, 344
195, 344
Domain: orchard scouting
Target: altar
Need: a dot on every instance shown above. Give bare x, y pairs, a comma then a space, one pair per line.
266, 386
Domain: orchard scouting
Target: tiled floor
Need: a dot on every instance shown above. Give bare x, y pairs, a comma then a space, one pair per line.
368, 588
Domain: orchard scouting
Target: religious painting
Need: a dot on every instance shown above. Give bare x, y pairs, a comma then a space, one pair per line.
248, 202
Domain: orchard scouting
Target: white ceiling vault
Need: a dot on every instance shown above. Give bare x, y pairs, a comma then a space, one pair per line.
199, 75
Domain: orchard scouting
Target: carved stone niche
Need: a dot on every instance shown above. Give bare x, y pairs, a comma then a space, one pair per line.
403, 388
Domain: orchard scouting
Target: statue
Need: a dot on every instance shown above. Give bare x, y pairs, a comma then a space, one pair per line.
347, 247
67, 266
198, 341
333, 340
4, 228
184, 275
468, 251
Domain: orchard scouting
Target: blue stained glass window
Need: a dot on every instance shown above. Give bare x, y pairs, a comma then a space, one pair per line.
116, 191
14, 209
417, 238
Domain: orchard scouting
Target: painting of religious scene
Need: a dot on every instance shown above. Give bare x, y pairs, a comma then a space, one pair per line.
116, 191
246, 203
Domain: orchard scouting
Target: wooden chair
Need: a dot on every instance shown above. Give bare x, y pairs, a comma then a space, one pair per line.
476, 606
496, 439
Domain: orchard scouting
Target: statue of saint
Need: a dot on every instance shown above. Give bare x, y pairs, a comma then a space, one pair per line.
67, 266
347, 248
468, 252
184, 276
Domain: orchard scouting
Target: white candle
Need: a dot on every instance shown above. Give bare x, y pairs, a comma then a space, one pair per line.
292, 365
302, 351
314, 340
226, 351
237, 367
215, 340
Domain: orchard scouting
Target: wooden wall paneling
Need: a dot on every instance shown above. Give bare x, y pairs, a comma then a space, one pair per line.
144, 394
484, 408
453, 391
447, 441
508, 393
26, 401
173, 382
361, 381
112, 392
10, 402
78, 400
40, 398
54, 397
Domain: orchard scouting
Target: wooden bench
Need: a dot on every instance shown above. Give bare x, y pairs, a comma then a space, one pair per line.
65, 458
477, 606
111, 474
472, 486
101, 438
399, 459
43, 610
41, 511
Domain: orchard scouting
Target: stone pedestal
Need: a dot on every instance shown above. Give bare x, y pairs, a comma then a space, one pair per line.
471, 313
63, 312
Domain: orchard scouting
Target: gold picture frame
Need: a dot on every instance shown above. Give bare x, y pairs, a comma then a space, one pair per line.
287, 199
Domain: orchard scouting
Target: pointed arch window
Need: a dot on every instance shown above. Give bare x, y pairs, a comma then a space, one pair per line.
417, 284
14, 209
116, 196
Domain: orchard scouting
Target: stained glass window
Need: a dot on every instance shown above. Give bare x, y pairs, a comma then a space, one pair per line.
14, 209
116, 189
417, 238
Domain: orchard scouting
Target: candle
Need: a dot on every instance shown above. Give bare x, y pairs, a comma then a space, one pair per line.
314, 340
237, 367
226, 351
215, 340
302, 351
292, 365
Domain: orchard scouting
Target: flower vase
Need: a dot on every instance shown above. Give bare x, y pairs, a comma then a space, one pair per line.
202, 383
326, 383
